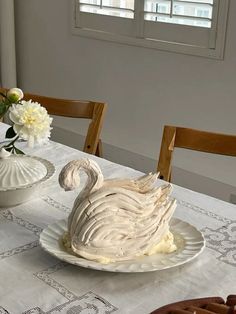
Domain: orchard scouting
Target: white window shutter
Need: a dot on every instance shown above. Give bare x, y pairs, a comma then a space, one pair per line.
109, 16
195, 27
184, 21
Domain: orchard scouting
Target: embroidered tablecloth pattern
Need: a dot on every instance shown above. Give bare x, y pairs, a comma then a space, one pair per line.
34, 282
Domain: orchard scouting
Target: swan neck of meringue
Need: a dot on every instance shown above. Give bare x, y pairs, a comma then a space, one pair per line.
69, 179
94, 180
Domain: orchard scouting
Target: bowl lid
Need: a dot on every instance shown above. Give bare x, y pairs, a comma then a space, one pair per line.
19, 170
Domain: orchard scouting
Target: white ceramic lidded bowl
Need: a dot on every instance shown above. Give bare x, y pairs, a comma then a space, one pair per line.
21, 176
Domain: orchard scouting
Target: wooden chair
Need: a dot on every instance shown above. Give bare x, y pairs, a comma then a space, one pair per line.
95, 111
194, 140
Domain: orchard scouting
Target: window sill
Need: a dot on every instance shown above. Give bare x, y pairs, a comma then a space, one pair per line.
216, 53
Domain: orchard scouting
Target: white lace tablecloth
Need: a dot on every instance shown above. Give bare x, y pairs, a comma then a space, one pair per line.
33, 281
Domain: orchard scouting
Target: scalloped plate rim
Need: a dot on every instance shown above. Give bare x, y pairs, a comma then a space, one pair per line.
52, 246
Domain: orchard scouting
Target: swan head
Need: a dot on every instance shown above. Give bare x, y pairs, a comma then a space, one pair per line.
69, 177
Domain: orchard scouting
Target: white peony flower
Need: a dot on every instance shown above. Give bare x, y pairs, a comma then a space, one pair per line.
15, 94
31, 122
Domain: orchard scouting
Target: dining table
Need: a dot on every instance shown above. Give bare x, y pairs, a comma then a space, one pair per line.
33, 281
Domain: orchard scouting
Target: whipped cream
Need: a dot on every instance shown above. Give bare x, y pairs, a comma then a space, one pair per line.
119, 219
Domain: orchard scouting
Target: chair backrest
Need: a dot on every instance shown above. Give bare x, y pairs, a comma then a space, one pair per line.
197, 140
95, 111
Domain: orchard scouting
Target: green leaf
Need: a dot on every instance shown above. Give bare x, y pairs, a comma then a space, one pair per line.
9, 149
18, 151
10, 133
3, 107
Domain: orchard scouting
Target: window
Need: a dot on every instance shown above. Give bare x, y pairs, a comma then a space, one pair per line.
195, 27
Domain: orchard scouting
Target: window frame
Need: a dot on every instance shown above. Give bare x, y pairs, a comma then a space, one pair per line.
218, 30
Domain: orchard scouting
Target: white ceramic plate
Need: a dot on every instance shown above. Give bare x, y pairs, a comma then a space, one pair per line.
189, 241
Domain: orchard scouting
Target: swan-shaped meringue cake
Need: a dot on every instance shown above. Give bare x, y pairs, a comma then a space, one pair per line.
117, 219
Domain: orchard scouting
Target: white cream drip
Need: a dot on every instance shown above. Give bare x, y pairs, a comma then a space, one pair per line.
115, 220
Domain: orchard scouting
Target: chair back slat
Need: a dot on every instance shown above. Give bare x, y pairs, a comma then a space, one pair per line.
64, 107
208, 142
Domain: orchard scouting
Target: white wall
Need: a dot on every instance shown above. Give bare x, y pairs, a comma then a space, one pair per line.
144, 88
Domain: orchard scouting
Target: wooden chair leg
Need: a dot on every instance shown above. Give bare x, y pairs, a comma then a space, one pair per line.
99, 151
